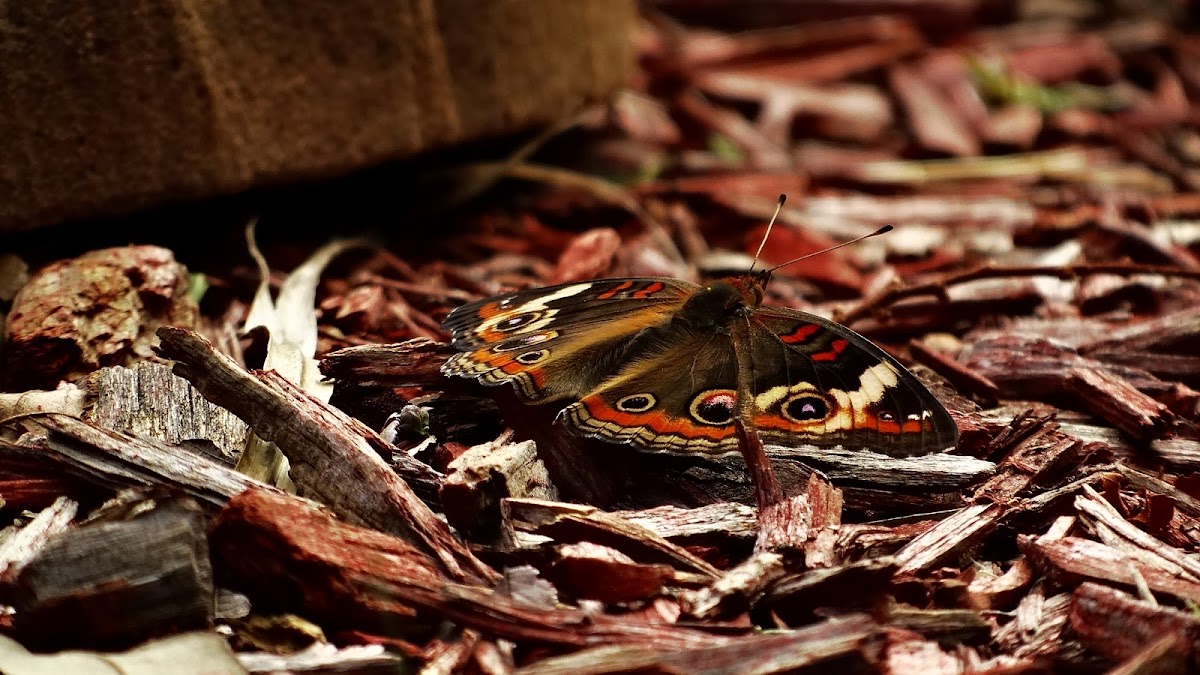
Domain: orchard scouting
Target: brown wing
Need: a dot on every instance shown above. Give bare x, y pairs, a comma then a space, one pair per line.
818, 382
558, 342
677, 395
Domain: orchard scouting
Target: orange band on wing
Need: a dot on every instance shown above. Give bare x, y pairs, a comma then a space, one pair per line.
612, 292
489, 334
648, 291
777, 423
657, 422
506, 363
907, 427
836, 347
802, 333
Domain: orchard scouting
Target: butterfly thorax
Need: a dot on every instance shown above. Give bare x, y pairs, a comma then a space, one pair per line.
718, 304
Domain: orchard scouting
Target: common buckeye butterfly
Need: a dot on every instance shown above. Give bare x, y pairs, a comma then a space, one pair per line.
654, 363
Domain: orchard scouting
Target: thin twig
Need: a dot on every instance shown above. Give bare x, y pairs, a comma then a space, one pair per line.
938, 288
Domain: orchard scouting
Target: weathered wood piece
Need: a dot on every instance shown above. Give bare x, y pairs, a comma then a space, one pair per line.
1112, 529
263, 401
963, 378
373, 381
1176, 332
484, 475
587, 570
113, 460
795, 524
1120, 403
114, 584
335, 459
908, 653
1037, 369
947, 625
290, 553
723, 522
928, 473
30, 484
19, 547
1040, 458
962, 530
1072, 560
956, 306
847, 644
1037, 630
1179, 367
737, 588
993, 591
694, 482
1184, 501
1183, 453
417, 362
352, 659
1120, 626
150, 400
569, 524
796, 596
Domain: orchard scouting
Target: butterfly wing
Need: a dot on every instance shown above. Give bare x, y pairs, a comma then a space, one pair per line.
818, 382
558, 342
639, 378
676, 394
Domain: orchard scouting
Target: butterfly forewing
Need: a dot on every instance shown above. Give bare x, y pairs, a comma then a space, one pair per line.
558, 342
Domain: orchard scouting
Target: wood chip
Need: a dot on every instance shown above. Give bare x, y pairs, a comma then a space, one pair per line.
334, 458
114, 584
486, 474
853, 641
114, 460
273, 545
1120, 403
737, 588
1073, 559
19, 548
951, 536
151, 400
1120, 626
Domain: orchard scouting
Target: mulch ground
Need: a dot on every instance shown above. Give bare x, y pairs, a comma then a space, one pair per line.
1042, 173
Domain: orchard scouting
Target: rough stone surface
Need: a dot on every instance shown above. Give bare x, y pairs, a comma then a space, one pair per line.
122, 104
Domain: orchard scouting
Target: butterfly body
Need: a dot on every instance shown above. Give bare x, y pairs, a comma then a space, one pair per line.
665, 365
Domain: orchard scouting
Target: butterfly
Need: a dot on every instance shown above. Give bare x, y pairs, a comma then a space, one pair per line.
663, 365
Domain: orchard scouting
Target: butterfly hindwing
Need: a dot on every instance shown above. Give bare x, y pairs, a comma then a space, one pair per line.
676, 394
821, 383
557, 342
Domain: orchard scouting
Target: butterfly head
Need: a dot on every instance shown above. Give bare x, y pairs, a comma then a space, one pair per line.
718, 304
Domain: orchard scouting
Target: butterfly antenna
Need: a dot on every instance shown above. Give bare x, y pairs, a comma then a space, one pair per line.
767, 234
883, 230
